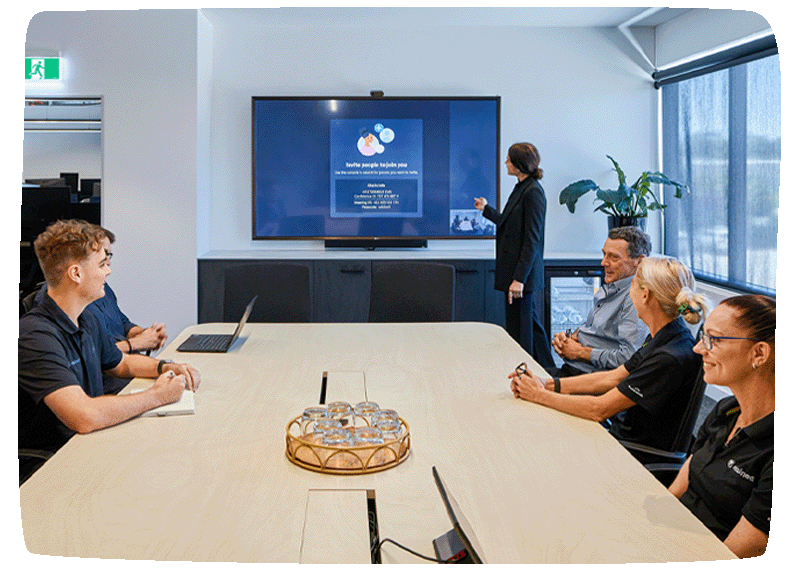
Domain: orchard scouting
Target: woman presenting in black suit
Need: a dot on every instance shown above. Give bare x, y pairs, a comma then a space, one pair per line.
519, 270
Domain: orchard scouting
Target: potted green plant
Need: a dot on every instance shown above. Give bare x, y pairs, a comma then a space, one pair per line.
627, 205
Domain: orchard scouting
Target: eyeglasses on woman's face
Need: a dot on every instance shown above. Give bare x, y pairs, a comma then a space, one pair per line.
708, 340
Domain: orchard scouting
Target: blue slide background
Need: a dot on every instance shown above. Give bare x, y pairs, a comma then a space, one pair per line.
397, 168
292, 164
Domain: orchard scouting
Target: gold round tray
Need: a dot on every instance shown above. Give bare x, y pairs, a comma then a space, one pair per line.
354, 459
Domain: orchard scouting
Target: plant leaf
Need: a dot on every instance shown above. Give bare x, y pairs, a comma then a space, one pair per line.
642, 183
660, 178
606, 210
629, 201
571, 193
612, 197
620, 173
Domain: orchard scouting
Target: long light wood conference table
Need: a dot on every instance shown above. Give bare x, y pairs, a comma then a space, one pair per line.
537, 486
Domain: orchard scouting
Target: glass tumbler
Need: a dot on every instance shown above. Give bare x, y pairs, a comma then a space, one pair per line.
385, 415
311, 416
368, 435
341, 411
324, 425
365, 410
337, 437
389, 428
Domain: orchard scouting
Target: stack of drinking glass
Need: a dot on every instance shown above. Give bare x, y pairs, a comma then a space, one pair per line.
340, 424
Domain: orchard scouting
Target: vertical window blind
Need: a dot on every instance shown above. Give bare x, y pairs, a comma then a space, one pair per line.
722, 137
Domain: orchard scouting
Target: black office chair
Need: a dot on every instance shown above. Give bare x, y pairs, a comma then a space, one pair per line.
26, 302
283, 289
412, 292
30, 461
665, 464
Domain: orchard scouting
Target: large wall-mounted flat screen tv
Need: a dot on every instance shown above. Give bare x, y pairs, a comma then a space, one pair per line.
360, 171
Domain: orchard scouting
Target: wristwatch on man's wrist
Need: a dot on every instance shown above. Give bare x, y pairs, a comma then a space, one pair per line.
161, 365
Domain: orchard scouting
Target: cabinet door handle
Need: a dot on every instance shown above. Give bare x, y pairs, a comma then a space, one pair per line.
352, 270
466, 271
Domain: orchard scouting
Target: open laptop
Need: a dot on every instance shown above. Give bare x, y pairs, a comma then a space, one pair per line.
459, 544
216, 342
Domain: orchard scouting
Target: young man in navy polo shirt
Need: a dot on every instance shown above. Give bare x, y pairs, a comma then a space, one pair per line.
63, 351
127, 336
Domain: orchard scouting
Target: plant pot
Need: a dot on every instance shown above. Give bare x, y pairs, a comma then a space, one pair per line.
618, 221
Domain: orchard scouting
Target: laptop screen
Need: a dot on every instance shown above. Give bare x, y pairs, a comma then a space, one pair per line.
459, 521
245, 316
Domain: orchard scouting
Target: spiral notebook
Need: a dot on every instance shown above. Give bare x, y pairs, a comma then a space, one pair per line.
183, 406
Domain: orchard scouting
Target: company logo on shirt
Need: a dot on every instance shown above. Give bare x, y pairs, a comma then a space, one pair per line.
636, 391
739, 472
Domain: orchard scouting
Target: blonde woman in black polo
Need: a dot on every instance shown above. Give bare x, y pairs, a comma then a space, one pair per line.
727, 482
645, 397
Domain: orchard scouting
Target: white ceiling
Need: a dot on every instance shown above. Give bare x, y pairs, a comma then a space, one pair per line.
367, 16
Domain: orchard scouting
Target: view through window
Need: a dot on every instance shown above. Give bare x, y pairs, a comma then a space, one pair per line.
722, 137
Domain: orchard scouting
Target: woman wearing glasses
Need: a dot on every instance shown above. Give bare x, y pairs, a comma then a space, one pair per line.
727, 482
645, 397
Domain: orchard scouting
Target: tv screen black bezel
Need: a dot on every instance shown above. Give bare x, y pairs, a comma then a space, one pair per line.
386, 241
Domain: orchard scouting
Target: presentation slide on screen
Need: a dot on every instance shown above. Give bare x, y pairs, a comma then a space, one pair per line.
373, 167
376, 168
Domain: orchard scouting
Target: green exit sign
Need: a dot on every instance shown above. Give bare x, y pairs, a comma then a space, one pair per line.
42, 68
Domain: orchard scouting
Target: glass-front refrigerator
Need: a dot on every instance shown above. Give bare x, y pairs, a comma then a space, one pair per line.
569, 296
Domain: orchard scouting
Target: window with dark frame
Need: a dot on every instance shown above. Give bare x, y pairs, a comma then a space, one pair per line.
722, 137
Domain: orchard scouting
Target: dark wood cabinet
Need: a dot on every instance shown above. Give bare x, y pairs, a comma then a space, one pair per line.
340, 290
470, 289
494, 306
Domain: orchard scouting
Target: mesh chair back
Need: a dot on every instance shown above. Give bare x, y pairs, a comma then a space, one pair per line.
412, 292
284, 292
684, 438
27, 301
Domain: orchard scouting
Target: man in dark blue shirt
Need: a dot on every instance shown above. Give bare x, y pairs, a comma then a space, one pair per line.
127, 336
62, 351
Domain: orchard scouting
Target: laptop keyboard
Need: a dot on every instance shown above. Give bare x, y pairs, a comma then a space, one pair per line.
209, 341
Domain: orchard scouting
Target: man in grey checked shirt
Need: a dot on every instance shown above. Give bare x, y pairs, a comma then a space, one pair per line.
612, 331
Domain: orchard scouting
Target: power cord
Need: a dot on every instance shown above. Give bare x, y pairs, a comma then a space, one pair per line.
410, 551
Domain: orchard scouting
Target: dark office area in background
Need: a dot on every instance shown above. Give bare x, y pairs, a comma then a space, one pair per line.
45, 200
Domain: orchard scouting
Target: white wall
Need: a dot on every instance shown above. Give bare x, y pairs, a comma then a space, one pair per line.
144, 65
571, 91
205, 38
703, 30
